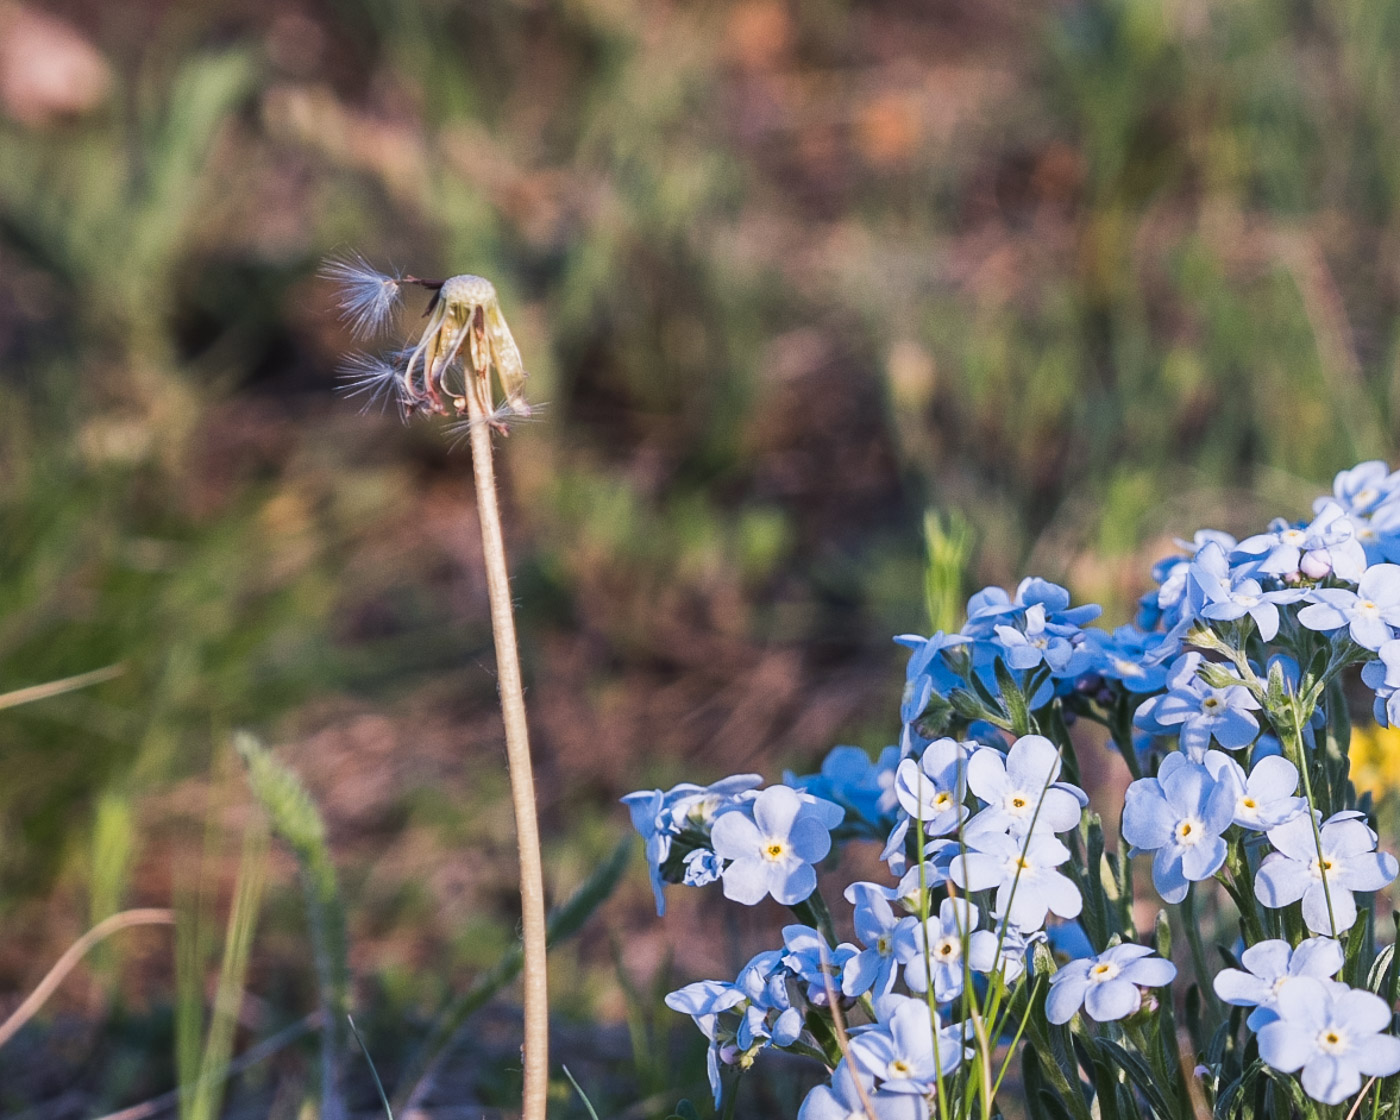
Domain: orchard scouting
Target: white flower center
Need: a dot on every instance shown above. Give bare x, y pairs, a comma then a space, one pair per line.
1247, 600
774, 850
1292, 536
1210, 704
1247, 806
1331, 1040
882, 945
1367, 607
947, 949
1103, 972
1018, 804
1189, 831
899, 1070
1019, 865
1318, 866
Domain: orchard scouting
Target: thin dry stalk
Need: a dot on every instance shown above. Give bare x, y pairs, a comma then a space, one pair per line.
838, 1023
65, 964
522, 781
57, 688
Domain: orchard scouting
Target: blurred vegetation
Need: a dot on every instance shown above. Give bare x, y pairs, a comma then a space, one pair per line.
808, 288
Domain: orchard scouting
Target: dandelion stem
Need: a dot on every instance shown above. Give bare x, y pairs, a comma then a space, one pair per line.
522, 782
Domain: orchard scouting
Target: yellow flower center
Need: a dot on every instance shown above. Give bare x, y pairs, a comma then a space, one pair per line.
774, 850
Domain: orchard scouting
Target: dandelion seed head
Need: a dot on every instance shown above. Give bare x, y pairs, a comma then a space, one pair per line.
467, 292
367, 298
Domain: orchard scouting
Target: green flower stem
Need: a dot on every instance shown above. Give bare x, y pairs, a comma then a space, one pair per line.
1199, 960
1298, 713
943, 1113
813, 911
1238, 884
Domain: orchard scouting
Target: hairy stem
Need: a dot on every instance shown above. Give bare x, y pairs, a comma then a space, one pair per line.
522, 781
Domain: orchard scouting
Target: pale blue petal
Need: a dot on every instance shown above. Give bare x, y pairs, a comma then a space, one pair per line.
1241, 989
1269, 959
1115, 999
1321, 616
1362, 1011
1167, 875
809, 839
794, 887
734, 836
1380, 1057
1316, 914
1150, 972
1280, 881
1235, 729
1368, 872
747, 880
1065, 999
1370, 633
1285, 1047
1330, 1078
1148, 820
1318, 957
775, 810
1203, 859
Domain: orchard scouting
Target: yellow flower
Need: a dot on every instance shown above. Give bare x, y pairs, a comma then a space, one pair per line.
1375, 760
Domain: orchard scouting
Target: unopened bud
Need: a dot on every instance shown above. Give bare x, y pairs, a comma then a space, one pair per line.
1316, 564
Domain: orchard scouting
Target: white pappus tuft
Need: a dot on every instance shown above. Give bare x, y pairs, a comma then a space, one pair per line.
377, 379
367, 298
501, 417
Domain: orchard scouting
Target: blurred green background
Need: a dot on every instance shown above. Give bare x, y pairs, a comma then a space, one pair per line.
1072, 277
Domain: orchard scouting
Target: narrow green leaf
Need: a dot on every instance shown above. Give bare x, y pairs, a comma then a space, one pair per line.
1141, 1077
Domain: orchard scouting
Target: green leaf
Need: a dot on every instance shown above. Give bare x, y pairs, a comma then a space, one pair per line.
1355, 954
296, 819
1097, 913
563, 922
1225, 1103
1163, 936
1141, 1077
588, 1104
1041, 1102
1106, 1086
1292, 1090
684, 1111
1013, 699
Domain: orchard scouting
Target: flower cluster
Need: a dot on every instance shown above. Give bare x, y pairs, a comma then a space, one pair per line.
1010, 915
